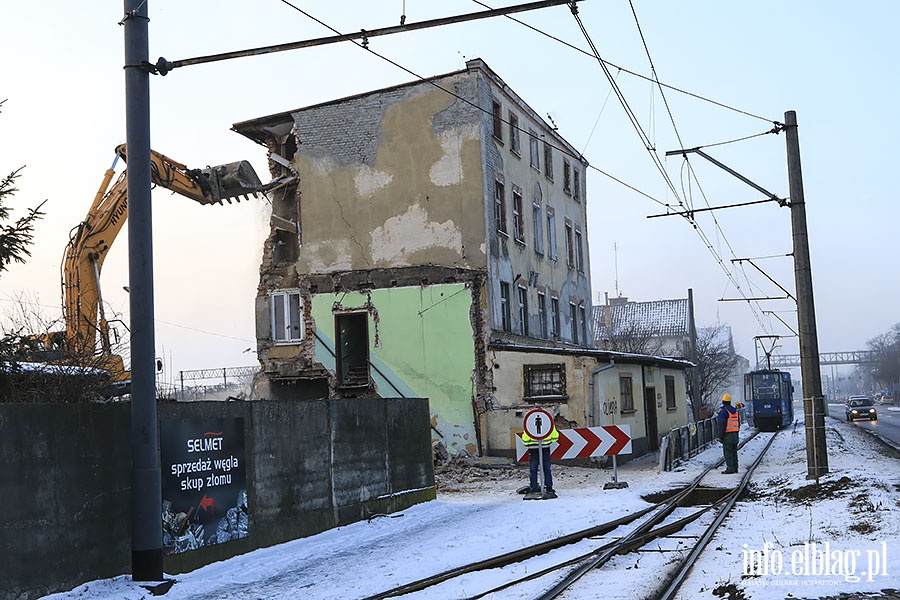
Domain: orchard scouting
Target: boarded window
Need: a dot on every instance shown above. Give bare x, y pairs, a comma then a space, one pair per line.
545, 382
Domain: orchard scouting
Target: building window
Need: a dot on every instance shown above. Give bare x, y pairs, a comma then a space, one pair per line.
533, 143
576, 183
500, 205
626, 394
286, 317
554, 317
497, 119
522, 296
582, 320
504, 307
548, 161
579, 251
570, 245
670, 392
514, 134
518, 215
551, 233
538, 228
545, 382
542, 313
567, 177
573, 316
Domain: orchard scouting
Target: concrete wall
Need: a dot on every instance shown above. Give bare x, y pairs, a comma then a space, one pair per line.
65, 478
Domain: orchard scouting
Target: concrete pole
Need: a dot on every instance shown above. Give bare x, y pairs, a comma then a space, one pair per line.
697, 400
146, 492
813, 400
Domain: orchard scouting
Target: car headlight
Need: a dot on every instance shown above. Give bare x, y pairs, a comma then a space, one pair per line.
871, 410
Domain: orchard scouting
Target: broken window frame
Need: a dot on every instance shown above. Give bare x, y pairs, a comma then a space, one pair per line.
548, 161
555, 320
544, 382
576, 184
579, 250
514, 138
542, 312
286, 316
497, 119
570, 245
505, 316
534, 149
582, 319
573, 315
567, 176
500, 204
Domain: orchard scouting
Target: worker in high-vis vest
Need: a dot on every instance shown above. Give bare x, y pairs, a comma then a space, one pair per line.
534, 460
729, 424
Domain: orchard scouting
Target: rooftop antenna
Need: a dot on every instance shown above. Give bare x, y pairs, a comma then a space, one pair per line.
616, 266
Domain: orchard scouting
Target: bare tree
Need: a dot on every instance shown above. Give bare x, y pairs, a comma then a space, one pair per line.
886, 348
717, 362
634, 338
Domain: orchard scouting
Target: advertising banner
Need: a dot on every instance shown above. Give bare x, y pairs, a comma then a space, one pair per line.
204, 487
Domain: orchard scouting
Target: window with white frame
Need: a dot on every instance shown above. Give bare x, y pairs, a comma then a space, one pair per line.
518, 215
286, 316
670, 393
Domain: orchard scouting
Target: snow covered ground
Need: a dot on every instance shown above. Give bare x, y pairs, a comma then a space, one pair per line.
787, 540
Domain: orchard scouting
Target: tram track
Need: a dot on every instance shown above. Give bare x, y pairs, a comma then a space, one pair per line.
651, 523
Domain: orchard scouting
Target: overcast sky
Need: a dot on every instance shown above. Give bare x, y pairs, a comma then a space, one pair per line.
832, 62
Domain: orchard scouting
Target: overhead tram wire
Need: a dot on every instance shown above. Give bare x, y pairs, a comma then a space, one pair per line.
633, 73
365, 46
469, 102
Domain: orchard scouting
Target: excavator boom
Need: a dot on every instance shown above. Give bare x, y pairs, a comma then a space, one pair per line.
90, 241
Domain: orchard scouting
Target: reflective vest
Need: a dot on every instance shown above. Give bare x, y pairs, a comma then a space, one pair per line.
733, 424
547, 441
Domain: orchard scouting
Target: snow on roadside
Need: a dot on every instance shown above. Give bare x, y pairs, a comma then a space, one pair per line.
478, 514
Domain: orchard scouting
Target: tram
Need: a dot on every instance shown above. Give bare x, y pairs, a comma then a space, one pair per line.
769, 394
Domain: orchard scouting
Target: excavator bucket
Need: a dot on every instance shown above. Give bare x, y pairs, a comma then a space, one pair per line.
227, 182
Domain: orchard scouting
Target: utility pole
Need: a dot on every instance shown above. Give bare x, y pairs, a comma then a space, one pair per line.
146, 486
813, 400
697, 399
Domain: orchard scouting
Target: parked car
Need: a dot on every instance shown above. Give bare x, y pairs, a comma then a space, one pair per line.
860, 407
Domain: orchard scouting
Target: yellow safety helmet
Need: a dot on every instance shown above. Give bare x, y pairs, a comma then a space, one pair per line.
726, 398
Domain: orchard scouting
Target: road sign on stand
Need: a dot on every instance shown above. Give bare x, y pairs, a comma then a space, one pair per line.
538, 424
584, 442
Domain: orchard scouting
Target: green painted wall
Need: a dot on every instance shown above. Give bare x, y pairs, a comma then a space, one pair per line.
422, 340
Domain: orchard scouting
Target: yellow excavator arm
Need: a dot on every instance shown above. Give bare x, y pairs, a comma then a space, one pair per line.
90, 241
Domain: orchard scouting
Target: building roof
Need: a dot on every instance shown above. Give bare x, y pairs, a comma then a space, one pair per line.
659, 318
600, 355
